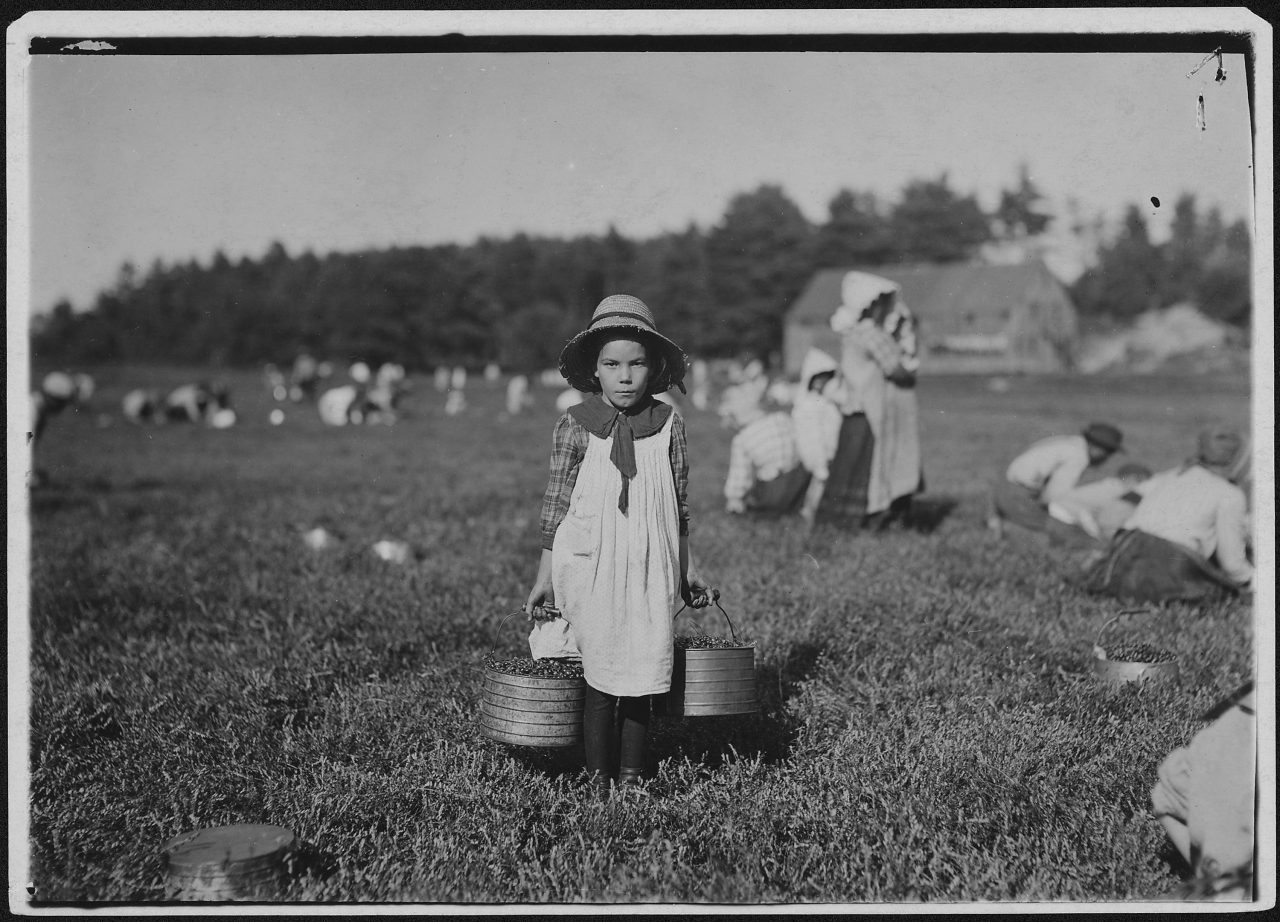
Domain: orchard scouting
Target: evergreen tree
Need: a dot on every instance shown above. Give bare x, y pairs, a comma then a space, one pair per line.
931, 223
757, 257
856, 233
1017, 214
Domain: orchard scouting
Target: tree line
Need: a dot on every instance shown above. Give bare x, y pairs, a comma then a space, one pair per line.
722, 291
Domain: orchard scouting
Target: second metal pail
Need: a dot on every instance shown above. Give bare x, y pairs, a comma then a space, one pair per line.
713, 681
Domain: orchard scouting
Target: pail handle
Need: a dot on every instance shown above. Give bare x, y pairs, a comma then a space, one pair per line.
1128, 613
715, 597
501, 625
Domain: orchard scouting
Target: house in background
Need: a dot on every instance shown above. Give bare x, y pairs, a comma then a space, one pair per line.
981, 319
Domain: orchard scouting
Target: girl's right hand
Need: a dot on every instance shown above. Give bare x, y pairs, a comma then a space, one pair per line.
539, 598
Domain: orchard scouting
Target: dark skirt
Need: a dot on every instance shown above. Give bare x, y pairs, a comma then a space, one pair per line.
845, 496
784, 495
1145, 568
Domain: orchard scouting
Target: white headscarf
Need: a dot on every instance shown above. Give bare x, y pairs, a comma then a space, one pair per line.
857, 291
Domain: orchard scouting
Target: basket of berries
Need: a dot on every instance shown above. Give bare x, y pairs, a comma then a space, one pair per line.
712, 675
532, 702
1122, 662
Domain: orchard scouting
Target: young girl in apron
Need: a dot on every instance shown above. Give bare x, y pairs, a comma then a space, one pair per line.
615, 525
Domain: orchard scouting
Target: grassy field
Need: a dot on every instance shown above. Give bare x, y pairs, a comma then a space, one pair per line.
929, 727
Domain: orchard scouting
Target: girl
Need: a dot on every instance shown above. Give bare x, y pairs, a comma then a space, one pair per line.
877, 466
615, 525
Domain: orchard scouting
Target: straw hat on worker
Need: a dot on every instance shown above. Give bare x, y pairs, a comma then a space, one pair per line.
621, 314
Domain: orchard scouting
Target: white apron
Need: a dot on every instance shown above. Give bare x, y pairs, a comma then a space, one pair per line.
893, 415
616, 577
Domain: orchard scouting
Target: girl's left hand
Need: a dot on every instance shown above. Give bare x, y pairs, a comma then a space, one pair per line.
696, 592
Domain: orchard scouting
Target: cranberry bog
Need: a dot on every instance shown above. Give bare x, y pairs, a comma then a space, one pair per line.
928, 727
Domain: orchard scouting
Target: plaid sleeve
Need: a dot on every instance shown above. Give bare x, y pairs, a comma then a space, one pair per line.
680, 469
568, 445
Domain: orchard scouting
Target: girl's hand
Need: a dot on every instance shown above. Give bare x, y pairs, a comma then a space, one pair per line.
541, 595
539, 598
696, 592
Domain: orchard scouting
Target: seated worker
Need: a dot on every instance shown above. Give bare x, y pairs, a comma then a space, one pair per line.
1094, 512
817, 417
1204, 798
1046, 471
1187, 538
765, 473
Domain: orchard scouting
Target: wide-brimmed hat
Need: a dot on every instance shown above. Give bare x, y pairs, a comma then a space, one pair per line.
1105, 436
622, 313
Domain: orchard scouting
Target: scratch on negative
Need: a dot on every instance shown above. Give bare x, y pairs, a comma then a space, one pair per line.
89, 45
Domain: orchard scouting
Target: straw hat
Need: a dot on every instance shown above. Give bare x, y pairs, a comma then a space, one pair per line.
622, 313
1106, 437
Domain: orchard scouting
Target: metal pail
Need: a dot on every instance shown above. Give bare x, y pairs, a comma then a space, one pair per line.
530, 710
714, 681
238, 862
1118, 666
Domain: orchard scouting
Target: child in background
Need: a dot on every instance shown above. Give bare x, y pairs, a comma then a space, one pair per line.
817, 418
615, 526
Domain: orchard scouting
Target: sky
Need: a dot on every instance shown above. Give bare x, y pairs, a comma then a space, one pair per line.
164, 157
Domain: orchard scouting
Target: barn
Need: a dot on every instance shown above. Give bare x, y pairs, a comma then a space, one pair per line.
980, 319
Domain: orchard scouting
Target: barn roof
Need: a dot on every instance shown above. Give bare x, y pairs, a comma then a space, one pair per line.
979, 297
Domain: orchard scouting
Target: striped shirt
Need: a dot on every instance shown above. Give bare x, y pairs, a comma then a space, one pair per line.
762, 451
569, 442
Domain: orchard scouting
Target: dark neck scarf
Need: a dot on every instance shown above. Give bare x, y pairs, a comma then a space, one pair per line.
641, 421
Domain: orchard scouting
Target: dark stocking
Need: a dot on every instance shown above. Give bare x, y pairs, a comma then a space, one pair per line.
599, 731
633, 728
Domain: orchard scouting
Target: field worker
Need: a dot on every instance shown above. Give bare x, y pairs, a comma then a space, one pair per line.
517, 394
765, 473
817, 419
442, 378
455, 403
382, 398
142, 405
458, 378
84, 388
341, 405
304, 379
736, 396
877, 468
1204, 798
700, 388
57, 391
568, 398
188, 403
276, 383
1045, 472
1091, 514
219, 413
492, 372
1187, 538
615, 526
